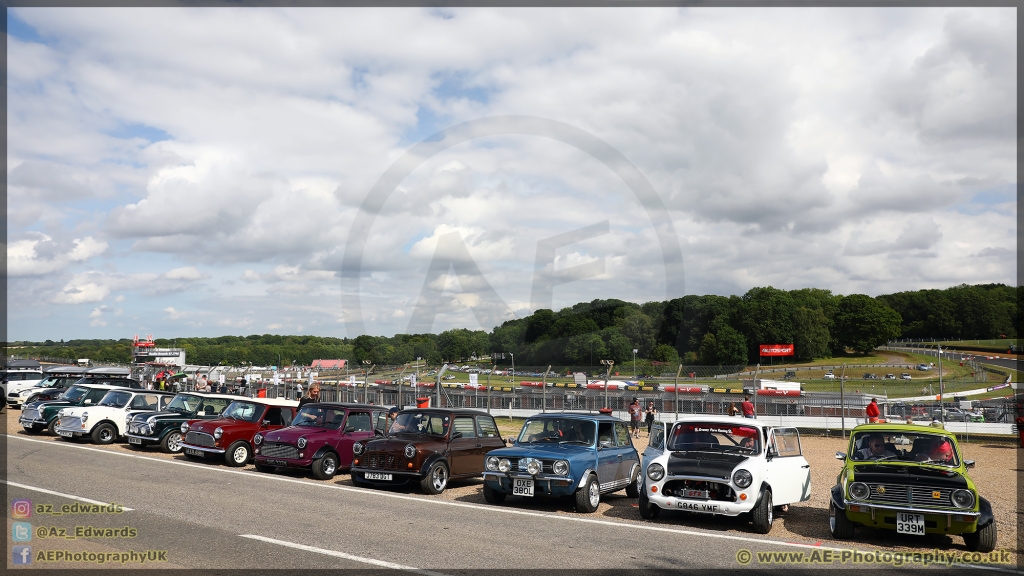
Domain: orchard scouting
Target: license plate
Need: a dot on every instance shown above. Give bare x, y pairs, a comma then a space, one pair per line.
276, 463
134, 440
377, 476
194, 452
64, 433
522, 486
910, 523
697, 494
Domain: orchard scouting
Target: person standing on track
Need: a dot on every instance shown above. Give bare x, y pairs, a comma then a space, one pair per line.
748, 407
652, 413
872, 411
635, 412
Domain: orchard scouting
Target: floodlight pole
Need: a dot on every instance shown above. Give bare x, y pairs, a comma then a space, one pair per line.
544, 390
842, 400
678, 372
607, 375
942, 398
754, 391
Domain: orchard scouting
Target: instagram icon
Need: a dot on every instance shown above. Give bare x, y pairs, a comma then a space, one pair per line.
21, 508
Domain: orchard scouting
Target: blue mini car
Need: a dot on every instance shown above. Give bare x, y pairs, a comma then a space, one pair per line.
560, 454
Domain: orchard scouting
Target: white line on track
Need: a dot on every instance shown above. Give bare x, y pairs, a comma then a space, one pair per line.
491, 509
337, 554
61, 494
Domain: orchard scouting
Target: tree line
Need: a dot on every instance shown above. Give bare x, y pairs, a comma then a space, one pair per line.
694, 330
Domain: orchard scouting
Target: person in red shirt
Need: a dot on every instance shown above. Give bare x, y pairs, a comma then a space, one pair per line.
747, 407
872, 410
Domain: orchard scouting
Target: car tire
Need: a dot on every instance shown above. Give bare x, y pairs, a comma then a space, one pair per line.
984, 540
325, 466
493, 496
648, 511
588, 495
264, 468
633, 488
238, 454
171, 443
839, 525
763, 514
52, 427
104, 433
436, 479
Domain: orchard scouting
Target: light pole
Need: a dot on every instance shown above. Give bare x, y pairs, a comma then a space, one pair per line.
942, 399
607, 374
366, 380
634, 363
513, 369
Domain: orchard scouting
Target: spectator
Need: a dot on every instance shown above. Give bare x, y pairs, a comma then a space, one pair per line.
312, 396
634, 416
875, 449
748, 407
651, 413
872, 411
733, 410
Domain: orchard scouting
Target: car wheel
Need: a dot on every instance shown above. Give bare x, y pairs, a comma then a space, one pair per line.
588, 495
237, 454
763, 514
325, 466
436, 479
264, 468
52, 427
171, 443
984, 540
633, 488
104, 434
493, 496
838, 524
648, 511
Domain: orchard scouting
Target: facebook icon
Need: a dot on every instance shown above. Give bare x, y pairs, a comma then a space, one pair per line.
21, 555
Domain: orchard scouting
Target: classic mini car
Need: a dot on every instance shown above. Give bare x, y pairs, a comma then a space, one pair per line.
106, 421
163, 427
581, 455
320, 438
723, 465
231, 435
39, 416
56, 379
429, 446
912, 479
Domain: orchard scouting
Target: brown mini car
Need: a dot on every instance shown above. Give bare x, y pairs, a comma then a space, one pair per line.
429, 446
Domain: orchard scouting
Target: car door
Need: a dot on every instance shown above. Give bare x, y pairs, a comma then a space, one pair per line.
655, 445
625, 451
789, 473
465, 455
358, 426
608, 454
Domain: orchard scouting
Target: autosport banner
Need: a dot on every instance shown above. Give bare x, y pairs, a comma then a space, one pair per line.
776, 349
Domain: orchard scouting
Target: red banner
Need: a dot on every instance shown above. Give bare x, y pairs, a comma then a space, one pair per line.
776, 349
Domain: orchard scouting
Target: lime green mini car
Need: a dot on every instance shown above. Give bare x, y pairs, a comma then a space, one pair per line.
910, 479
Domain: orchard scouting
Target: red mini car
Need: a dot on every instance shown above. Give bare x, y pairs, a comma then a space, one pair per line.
320, 438
231, 435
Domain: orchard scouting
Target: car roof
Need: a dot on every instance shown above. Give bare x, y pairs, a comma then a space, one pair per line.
109, 371
212, 395
893, 427
346, 405
269, 401
720, 419
75, 370
576, 416
143, 391
462, 411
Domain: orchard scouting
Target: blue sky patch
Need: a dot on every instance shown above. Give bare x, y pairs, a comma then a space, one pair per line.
21, 30
133, 130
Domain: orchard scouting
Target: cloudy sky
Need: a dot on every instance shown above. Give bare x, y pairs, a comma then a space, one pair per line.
245, 171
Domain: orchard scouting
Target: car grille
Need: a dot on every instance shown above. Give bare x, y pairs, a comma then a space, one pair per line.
201, 439
141, 429
70, 422
520, 464
912, 495
30, 414
279, 451
380, 461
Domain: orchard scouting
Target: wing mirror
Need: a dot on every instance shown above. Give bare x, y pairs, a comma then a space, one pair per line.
840, 456
456, 434
969, 463
772, 453
605, 444
378, 433
349, 429
266, 422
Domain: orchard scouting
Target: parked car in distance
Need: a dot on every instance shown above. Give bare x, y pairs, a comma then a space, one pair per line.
39, 416
107, 420
890, 376
556, 455
723, 465
231, 435
923, 367
428, 446
905, 376
57, 379
790, 374
320, 438
870, 376
829, 376
911, 479
163, 427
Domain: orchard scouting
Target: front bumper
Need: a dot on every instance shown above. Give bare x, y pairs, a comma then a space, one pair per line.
397, 476
139, 440
279, 462
30, 422
205, 449
935, 521
543, 484
71, 432
723, 507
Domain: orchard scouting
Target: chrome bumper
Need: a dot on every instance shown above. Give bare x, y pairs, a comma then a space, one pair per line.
203, 448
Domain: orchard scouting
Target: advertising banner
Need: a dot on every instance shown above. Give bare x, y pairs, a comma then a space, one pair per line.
777, 350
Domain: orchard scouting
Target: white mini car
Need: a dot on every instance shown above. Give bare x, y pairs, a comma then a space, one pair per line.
105, 421
723, 465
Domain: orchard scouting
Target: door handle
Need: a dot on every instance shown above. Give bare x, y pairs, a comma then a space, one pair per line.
806, 466
479, 445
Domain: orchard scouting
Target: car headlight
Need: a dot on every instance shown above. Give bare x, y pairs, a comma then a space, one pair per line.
504, 465
410, 451
491, 463
859, 491
85, 416
962, 498
655, 472
533, 466
220, 432
257, 439
184, 427
742, 478
127, 419
302, 442
357, 448
560, 467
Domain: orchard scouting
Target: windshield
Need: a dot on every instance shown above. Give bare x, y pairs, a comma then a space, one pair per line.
319, 417
184, 403
116, 399
421, 423
74, 394
904, 447
557, 430
714, 437
244, 411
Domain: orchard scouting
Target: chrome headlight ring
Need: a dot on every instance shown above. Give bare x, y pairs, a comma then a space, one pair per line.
859, 491
504, 465
410, 451
742, 478
358, 448
257, 439
491, 463
301, 443
962, 498
655, 472
218, 433
184, 427
560, 467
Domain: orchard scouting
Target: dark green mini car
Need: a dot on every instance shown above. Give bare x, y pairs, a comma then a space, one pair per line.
39, 416
911, 479
163, 428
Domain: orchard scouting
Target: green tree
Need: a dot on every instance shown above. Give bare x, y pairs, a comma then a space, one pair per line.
864, 323
811, 334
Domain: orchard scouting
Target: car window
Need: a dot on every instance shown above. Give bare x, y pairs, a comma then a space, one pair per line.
605, 433
622, 432
116, 399
142, 402
713, 436
787, 442
657, 439
488, 429
904, 446
213, 406
380, 421
246, 411
358, 422
465, 425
